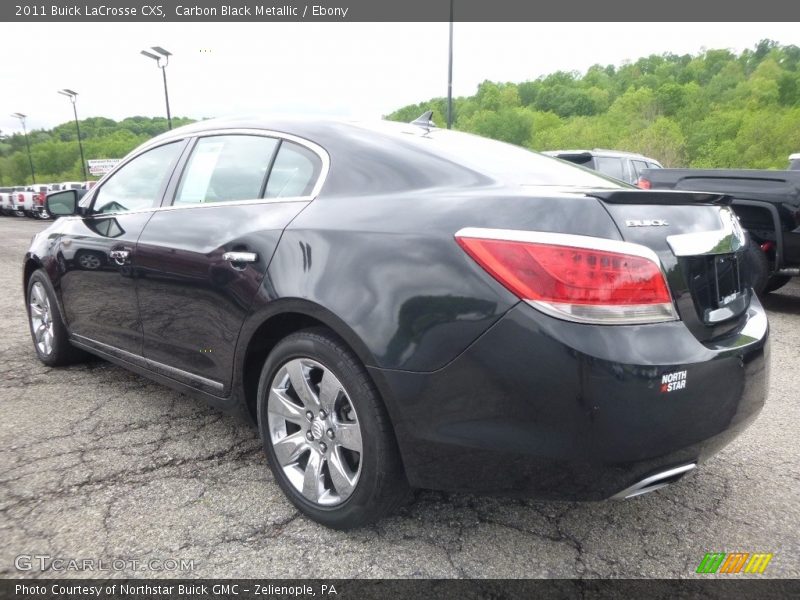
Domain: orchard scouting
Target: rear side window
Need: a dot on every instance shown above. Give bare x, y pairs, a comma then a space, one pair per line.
294, 173
653, 166
137, 184
613, 167
226, 167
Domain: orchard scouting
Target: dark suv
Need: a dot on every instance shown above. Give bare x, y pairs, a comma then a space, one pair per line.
401, 306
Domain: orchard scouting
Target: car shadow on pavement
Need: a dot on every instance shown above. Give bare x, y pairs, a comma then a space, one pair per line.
782, 303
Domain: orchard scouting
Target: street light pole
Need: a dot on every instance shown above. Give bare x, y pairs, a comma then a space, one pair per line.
164, 56
450, 73
21, 118
73, 96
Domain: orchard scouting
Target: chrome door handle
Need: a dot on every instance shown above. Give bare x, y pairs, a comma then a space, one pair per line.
119, 256
240, 257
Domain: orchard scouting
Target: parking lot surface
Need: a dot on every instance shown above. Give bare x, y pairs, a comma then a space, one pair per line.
98, 463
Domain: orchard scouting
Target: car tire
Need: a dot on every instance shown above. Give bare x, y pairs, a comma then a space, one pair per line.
776, 282
48, 332
341, 468
758, 266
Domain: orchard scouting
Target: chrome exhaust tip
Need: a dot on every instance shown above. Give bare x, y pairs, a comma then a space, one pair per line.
654, 482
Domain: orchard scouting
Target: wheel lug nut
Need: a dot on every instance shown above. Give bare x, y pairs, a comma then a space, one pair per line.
309, 415
322, 414
309, 436
323, 447
330, 433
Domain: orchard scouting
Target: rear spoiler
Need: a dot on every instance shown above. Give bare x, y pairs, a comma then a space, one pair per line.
659, 197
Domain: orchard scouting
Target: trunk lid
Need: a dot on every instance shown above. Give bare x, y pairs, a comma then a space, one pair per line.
701, 246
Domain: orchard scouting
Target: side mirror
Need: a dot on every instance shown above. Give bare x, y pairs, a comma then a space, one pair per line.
62, 204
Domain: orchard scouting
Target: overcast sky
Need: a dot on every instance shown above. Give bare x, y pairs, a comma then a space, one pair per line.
343, 69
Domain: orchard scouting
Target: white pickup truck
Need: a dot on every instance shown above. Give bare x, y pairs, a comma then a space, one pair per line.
22, 201
6, 207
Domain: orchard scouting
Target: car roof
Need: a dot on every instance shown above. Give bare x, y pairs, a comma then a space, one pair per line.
379, 156
795, 156
310, 128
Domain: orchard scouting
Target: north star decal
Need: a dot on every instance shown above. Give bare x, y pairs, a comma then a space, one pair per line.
673, 381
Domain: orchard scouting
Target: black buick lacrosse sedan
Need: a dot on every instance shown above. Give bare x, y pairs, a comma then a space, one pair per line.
401, 306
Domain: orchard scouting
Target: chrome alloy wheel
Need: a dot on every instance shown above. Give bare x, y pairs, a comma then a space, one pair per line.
314, 431
41, 319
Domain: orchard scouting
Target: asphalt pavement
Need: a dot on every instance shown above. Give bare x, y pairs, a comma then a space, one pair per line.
98, 464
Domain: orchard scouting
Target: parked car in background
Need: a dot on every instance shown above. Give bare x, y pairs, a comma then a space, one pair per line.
6, 202
768, 206
22, 198
794, 162
397, 305
40, 192
625, 166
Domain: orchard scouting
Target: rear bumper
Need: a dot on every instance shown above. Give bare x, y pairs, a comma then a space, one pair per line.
552, 409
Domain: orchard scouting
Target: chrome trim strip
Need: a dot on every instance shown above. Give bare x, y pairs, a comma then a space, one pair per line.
728, 239
651, 484
155, 366
305, 199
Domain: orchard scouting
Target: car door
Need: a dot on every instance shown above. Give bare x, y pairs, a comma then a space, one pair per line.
96, 255
204, 255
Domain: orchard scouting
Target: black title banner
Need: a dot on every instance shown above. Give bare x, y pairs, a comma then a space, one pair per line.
398, 10
372, 589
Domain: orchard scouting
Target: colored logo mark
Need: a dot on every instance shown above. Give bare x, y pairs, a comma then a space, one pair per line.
734, 562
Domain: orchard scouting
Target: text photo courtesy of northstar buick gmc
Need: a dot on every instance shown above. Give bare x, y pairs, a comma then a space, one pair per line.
399, 306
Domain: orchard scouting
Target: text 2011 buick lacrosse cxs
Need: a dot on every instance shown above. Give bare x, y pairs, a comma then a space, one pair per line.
401, 306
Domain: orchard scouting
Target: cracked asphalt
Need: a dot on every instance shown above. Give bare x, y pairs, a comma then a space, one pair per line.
99, 463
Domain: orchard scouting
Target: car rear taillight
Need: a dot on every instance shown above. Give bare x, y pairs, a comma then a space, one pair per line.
574, 277
644, 184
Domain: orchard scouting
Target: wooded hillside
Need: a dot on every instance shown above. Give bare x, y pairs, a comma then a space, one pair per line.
716, 109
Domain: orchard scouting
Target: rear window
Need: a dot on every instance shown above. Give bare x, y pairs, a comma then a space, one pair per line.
585, 160
510, 163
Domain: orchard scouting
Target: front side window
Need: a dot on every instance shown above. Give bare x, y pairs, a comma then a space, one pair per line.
137, 184
294, 173
226, 167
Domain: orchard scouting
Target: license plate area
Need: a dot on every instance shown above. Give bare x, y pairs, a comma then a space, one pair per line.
716, 285
727, 277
